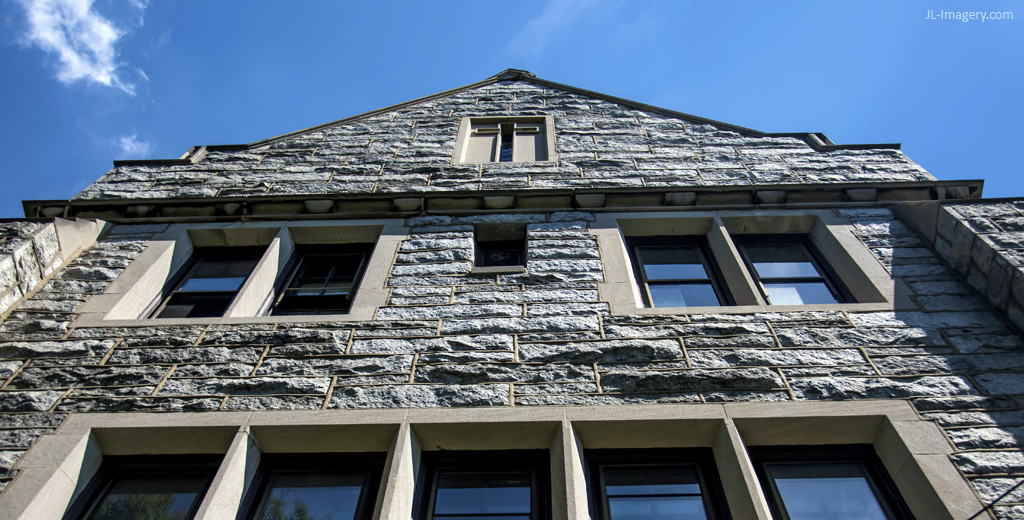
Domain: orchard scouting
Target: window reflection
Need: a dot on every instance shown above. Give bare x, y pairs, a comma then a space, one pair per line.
787, 271
482, 494
676, 275
835, 482
322, 495
324, 486
142, 487
139, 496
211, 282
658, 492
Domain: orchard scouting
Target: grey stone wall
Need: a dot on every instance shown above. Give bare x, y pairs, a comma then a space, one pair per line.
984, 241
29, 252
450, 338
600, 144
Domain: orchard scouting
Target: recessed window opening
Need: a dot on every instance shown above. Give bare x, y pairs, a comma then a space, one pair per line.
145, 487
210, 282
842, 482
475, 486
499, 245
789, 271
505, 139
677, 272
654, 484
323, 280
316, 486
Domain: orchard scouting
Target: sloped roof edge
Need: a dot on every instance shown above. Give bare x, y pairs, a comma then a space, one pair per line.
816, 140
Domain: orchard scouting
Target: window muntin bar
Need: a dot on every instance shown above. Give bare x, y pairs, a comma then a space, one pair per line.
211, 282
845, 482
323, 282
787, 270
677, 274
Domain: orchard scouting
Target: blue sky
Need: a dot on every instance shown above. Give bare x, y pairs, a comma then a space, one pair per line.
86, 82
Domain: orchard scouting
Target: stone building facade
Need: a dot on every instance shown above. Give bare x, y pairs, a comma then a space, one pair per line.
565, 351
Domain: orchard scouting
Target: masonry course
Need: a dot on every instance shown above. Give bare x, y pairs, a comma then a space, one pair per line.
449, 337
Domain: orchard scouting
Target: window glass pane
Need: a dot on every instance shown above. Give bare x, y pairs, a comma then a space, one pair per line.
813, 491
780, 260
224, 267
184, 305
683, 295
505, 154
672, 263
501, 258
662, 480
482, 493
640, 508
215, 274
338, 289
157, 497
798, 293
213, 284
786, 270
296, 495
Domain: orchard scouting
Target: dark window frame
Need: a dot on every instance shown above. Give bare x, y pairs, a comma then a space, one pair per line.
484, 246
826, 274
270, 463
536, 462
884, 488
118, 467
198, 255
283, 301
712, 491
711, 267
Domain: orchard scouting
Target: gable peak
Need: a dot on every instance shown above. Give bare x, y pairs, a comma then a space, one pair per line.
513, 74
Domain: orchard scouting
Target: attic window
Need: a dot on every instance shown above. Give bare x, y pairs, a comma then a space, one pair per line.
505, 139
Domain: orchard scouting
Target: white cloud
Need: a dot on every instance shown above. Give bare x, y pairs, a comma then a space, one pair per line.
133, 148
82, 40
555, 20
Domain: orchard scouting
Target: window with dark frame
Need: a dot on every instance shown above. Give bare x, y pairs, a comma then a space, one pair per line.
654, 484
210, 282
677, 272
324, 486
500, 253
789, 270
477, 485
146, 487
323, 280
813, 482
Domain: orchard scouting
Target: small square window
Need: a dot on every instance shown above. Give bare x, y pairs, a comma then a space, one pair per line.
323, 280
501, 253
660, 484
814, 482
677, 272
323, 486
145, 487
505, 139
210, 282
508, 485
788, 270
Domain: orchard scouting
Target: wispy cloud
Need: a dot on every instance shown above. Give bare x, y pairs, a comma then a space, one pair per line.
133, 148
554, 21
82, 39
